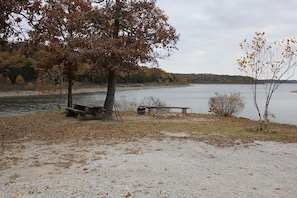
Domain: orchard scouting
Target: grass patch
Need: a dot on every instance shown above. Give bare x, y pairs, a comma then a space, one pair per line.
55, 127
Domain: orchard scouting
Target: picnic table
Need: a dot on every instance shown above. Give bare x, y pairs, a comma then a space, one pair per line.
150, 108
85, 111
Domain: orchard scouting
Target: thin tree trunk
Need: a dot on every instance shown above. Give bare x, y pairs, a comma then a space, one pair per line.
264, 126
255, 100
61, 80
110, 95
69, 104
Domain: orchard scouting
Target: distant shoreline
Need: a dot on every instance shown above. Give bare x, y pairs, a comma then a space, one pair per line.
4, 94
79, 90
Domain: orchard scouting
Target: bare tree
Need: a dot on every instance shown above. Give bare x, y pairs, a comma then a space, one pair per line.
125, 34
274, 62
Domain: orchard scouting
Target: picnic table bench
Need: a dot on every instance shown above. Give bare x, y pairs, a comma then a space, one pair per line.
85, 111
150, 108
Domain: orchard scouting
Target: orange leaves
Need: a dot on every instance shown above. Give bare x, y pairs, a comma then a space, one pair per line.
131, 33
273, 62
20, 80
111, 22
271, 59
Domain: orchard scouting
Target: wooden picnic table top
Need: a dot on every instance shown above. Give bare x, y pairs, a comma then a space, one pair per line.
87, 106
150, 108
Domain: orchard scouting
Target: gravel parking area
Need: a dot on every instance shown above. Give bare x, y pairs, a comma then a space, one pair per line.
165, 167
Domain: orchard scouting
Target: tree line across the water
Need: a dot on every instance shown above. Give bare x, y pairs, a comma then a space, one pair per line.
20, 68
17, 67
224, 79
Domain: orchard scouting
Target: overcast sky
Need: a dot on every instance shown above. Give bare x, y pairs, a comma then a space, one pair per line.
211, 30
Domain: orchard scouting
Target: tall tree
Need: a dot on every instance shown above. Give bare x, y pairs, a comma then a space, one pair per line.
125, 34
273, 62
61, 28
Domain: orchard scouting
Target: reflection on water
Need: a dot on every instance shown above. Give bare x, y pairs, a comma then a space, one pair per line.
283, 103
11, 106
28, 104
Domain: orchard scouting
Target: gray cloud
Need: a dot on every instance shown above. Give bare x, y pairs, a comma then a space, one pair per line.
211, 30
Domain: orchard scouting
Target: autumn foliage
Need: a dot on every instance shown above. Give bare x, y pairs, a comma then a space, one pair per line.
124, 34
275, 62
112, 36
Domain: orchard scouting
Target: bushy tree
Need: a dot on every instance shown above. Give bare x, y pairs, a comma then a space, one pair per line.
274, 62
20, 80
29, 86
61, 28
125, 34
226, 105
113, 35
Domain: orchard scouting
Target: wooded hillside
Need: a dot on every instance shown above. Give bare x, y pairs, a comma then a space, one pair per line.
17, 67
216, 79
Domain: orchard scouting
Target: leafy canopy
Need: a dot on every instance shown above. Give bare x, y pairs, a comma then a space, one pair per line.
124, 34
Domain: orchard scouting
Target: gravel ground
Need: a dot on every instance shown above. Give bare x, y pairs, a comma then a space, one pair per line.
169, 167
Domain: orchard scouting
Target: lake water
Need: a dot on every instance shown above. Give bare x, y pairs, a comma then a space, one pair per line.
283, 103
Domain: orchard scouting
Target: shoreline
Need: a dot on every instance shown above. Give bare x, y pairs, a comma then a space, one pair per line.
80, 90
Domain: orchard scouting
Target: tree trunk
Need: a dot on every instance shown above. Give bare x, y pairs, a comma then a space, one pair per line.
111, 87
264, 123
255, 100
69, 104
110, 95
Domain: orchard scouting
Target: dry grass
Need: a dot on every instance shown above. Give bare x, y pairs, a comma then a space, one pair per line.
55, 127
51, 128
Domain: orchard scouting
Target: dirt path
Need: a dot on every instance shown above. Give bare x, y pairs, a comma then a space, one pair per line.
164, 167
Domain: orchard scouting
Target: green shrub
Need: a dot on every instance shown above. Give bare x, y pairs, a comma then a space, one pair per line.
29, 86
226, 105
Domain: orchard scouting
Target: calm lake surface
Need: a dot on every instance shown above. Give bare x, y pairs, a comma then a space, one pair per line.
283, 103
